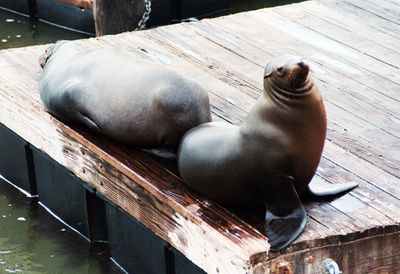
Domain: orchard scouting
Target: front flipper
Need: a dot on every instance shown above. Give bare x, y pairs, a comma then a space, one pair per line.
88, 122
316, 188
285, 216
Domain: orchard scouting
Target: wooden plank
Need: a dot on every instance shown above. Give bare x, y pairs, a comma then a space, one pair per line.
350, 24
379, 254
364, 15
364, 42
142, 188
358, 77
385, 10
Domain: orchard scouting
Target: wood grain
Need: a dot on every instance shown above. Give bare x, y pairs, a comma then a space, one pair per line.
352, 48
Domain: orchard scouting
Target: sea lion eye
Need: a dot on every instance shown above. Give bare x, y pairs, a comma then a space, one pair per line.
280, 70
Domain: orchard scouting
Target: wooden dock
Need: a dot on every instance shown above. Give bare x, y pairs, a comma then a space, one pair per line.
353, 47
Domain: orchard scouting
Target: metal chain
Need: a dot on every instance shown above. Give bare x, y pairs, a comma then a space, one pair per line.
145, 16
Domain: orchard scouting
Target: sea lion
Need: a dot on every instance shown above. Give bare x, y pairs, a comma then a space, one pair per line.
114, 93
271, 157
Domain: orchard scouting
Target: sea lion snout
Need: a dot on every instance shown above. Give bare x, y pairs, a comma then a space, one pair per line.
299, 74
45, 56
287, 72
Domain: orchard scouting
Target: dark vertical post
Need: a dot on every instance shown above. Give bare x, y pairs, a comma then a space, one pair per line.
31, 169
33, 10
96, 217
116, 16
169, 260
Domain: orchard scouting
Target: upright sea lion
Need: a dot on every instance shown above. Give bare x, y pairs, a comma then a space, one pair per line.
271, 157
114, 93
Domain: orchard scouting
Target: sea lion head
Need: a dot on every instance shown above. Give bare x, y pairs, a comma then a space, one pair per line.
288, 73
44, 58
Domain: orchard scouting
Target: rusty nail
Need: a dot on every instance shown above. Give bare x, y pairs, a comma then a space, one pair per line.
310, 259
283, 267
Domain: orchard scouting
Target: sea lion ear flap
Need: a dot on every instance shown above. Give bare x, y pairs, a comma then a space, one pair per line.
269, 68
285, 217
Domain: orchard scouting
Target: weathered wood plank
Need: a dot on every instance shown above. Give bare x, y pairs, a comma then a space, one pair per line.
385, 10
350, 24
380, 254
364, 15
131, 180
365, 42
358, 77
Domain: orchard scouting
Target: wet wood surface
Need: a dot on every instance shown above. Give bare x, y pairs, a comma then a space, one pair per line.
353, 49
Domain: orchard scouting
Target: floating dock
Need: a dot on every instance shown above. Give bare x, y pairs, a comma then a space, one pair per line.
152, 220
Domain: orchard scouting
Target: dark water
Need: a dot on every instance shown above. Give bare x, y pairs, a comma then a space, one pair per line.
19, 31
32, 241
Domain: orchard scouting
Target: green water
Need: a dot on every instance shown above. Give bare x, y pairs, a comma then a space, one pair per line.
18, 31
32, 241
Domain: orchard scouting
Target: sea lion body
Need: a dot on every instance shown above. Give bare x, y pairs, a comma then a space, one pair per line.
282, 136
129, 100
270, 158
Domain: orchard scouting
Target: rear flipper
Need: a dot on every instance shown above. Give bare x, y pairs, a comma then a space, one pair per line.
318, 189
285, 216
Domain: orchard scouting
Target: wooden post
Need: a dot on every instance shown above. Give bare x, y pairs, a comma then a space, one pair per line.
116, 16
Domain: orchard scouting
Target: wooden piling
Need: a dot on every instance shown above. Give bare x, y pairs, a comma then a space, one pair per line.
116, 16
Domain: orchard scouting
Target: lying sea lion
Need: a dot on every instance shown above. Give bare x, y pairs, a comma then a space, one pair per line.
271, 157
113, 93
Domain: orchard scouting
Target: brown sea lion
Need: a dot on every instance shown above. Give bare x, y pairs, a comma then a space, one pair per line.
114, 93
271, 157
